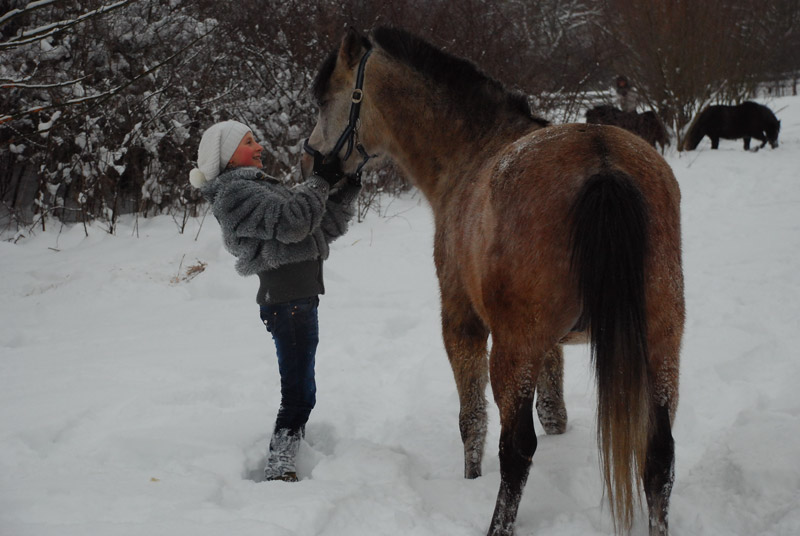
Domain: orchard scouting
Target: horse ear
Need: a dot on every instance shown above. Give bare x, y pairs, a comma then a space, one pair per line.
352, 48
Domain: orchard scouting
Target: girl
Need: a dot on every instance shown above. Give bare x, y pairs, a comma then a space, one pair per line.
282, 235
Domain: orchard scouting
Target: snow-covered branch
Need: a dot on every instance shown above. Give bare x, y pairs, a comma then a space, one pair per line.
14, 13
8, 84
44, 31
103, 96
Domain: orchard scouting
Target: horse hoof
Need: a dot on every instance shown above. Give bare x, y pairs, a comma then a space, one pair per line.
555, 428
290, 476
472, 474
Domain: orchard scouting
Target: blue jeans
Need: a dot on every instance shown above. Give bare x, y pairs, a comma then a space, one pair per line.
294, 327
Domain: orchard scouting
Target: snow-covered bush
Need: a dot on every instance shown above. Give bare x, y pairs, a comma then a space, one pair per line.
102, 102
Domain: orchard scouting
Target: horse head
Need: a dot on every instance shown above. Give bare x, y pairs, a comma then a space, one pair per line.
772, 132
341, 91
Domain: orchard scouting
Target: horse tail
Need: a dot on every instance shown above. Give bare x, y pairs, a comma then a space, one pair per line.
662, 136
608, 245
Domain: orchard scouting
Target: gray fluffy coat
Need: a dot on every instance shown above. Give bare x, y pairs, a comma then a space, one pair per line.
266, 224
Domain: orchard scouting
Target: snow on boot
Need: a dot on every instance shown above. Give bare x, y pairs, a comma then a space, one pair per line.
282, 452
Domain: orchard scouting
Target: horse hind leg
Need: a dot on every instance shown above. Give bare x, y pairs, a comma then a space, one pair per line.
465, 339
512, 380
659, 471
550, 393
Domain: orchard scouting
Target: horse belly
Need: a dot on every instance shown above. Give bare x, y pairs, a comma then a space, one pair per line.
510, 270
518, 270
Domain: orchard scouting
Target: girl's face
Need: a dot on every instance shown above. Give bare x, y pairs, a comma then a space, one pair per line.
248, 154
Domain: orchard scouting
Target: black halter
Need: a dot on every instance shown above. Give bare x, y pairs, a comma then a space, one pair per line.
350, 134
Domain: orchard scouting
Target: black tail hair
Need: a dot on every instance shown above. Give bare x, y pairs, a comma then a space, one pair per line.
609, 243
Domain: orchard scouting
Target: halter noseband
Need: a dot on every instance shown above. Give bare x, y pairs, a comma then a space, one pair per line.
350, 134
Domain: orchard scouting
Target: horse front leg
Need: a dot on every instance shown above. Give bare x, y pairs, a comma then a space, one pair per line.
465, 339
550, 393
513, 379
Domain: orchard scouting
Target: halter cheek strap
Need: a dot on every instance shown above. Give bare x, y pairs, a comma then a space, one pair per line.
350, 134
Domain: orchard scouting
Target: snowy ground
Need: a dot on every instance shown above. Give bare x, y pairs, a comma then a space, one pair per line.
134, 402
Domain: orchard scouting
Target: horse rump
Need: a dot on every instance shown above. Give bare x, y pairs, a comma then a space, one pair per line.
652, 129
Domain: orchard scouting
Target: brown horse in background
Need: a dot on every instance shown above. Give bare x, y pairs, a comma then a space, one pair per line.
646, 125
544, 234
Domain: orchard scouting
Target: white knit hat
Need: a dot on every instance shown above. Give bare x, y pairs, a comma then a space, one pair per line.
217, 146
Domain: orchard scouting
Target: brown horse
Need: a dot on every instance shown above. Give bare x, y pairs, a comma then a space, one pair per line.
544, 234
647, 125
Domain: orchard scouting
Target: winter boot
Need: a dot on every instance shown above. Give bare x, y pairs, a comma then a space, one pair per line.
282, 452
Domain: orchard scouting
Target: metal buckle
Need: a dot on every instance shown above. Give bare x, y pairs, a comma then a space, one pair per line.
358, 96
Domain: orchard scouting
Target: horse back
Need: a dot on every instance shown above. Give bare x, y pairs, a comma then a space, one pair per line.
536, 178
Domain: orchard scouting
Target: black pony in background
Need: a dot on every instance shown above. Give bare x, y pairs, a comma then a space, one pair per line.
746, 120
646, 125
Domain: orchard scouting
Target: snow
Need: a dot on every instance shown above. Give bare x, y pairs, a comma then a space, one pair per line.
44, 126
136, 400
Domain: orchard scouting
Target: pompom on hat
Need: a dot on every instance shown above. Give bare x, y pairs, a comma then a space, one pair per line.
217, 146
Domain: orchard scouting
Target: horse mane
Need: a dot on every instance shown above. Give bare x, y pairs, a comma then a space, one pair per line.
476, 92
